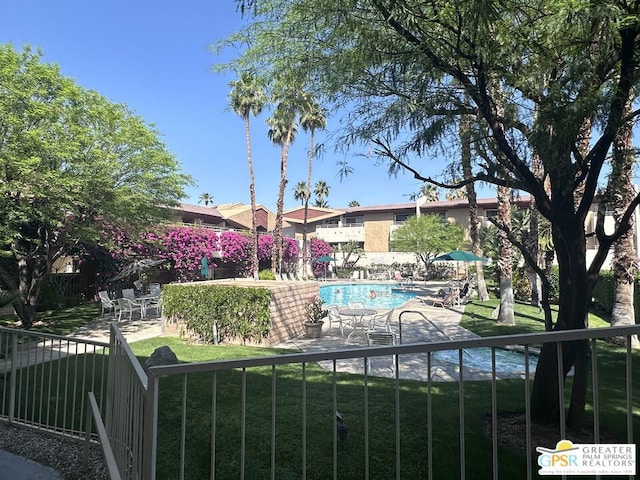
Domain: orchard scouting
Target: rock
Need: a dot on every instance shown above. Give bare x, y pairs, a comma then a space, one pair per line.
162, 356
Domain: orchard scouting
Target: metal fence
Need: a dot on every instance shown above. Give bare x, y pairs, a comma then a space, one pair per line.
199, 420
44, 379
221, 431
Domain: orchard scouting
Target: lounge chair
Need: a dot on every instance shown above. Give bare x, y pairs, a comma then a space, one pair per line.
445, 300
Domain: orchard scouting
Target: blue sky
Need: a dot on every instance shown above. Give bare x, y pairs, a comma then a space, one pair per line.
155, 57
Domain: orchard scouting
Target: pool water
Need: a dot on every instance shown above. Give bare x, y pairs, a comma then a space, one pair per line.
507, 361
385, 298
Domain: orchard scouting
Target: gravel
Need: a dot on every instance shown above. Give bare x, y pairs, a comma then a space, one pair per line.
65, 455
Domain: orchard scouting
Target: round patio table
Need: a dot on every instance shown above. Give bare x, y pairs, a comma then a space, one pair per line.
358, 315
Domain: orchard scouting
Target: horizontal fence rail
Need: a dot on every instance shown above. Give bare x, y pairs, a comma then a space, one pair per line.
284, 416
44, 379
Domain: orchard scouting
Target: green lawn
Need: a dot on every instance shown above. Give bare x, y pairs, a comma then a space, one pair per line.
350, 398
61, 322
320, 415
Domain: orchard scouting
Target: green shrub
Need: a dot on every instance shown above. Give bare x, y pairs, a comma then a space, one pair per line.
228, 311
266, 275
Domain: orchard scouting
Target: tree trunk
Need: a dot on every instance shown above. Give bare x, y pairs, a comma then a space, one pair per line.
474, 224
276, 252
32, 271
253, 262
624, 255
570, 243
505, 260
305, 249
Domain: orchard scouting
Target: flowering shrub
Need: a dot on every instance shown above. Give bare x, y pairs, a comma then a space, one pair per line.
318, 248
313, 309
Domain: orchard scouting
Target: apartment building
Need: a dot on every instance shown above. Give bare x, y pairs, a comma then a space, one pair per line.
372, 226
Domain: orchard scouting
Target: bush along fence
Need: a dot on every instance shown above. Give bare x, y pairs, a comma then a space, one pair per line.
218, 312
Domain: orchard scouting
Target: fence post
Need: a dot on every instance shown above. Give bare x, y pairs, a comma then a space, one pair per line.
150, 438
12, 378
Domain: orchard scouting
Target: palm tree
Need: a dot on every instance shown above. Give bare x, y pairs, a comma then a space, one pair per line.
248, 98
313, 118
624, 260
321, 191
430, 192
205, 198
354, 203
505, 259
300, 192
474, 224
282, 131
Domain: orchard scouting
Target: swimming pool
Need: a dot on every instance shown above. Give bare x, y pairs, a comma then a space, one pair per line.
385, 298
507, 361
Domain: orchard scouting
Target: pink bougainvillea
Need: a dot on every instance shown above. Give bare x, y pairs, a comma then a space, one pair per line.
318, 248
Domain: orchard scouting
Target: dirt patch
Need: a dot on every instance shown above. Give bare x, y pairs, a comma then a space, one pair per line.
511, 431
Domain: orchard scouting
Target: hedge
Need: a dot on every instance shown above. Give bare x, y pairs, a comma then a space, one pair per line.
604, 290
228, 311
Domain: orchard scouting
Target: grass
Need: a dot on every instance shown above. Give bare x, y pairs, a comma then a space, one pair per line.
350, 398
60, 322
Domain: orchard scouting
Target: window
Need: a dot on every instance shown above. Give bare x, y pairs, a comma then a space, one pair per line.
354, 220
400, 218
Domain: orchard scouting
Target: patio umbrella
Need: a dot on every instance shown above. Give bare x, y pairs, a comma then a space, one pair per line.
460, 256
204, 269
137, 267
324, 258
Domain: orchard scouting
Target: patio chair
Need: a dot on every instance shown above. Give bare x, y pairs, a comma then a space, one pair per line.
107, 304
381, 321
379, 339
129, 293
356, 305
334, 316
127, 306
155, 289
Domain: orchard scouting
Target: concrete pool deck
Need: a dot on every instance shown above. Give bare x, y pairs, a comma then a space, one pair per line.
443, 324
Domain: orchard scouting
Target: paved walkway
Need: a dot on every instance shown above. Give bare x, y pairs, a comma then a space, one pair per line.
420, 323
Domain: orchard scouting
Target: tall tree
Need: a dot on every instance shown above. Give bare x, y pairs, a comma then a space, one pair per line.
405, 76
321, 191
313, 118
625, 261
300, 192
430, 192
426, 236
205, 198
71, 161
474, 223
248, 98
283, 127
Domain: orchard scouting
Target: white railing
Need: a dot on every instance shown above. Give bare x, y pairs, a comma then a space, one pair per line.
44, 379
263, 435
